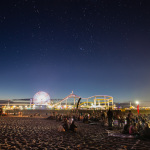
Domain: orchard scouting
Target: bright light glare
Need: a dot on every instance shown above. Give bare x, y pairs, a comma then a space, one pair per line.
49, 106
41, 98
58, 106
21, 107
137, 102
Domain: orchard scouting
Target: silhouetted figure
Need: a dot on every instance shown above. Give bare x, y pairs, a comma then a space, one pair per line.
146, 131
66, 125
73, 127
110, 117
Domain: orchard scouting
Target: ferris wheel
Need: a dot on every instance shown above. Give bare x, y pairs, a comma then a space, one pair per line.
41, 98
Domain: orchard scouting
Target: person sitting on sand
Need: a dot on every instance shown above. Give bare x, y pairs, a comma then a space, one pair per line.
73, 127
133, 129
146, 131
66, 125
85, 119
139, 127
126, 129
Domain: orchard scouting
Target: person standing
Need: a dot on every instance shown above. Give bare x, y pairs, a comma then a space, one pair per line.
110, 117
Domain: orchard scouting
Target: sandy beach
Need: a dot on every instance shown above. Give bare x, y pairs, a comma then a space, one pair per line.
40, 133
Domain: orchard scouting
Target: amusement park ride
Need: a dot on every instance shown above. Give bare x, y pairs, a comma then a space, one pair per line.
41, 100
73, 101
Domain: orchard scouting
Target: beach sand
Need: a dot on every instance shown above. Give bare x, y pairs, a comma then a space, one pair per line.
39, 133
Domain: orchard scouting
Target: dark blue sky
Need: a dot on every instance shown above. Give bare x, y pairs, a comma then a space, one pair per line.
93, 47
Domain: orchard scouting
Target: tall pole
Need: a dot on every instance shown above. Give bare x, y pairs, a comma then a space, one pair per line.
137, 107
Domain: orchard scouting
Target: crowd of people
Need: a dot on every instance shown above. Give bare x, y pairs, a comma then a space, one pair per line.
137, 125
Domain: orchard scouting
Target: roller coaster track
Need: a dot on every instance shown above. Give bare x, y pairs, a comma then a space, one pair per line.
69, 96
75, 96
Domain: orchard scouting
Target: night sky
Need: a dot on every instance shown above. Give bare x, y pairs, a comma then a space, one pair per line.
91, 47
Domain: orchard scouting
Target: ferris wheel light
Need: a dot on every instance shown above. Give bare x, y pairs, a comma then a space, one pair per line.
41, 98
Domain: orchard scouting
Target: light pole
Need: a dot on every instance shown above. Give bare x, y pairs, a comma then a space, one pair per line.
137, 107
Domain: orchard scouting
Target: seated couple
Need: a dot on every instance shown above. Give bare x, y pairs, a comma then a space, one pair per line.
65, 127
